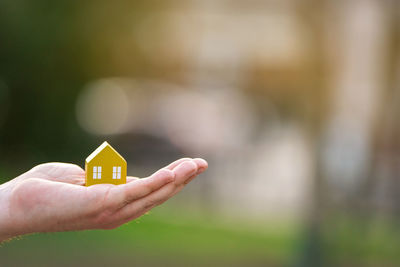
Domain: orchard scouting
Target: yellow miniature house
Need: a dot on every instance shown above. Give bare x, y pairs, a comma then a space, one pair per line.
105, 166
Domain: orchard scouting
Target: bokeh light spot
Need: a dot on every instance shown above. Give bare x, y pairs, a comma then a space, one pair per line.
103, 108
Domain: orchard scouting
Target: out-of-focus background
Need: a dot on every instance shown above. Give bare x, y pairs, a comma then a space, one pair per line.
295, 104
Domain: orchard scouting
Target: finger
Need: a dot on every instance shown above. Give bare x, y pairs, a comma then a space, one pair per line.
59, 172
180, 187
184, 171
131, 179
202, 165
152, 201
124, 194
139, 207
75, 180
174, 164
169, 167
183, 175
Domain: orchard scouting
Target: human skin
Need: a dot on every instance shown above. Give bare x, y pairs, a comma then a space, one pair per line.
52, 197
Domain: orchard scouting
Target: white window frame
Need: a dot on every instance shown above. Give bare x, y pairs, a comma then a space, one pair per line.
97, 172
116, 172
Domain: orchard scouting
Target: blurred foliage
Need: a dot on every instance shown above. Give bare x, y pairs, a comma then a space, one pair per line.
354, 241
49, 50
159, 240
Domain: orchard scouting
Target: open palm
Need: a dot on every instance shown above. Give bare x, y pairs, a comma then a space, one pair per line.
51, 197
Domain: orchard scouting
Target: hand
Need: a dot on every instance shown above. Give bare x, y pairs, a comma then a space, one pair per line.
51, 197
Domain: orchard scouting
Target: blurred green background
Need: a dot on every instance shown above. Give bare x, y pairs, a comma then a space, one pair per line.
295, 105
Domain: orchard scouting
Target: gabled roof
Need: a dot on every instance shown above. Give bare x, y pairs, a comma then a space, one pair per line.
99, 149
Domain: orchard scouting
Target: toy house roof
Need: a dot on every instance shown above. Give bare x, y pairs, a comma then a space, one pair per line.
99, 149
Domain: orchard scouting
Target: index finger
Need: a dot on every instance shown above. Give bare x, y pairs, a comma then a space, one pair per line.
124, 194
176, 163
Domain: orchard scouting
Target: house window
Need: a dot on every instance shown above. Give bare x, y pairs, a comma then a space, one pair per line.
116, 172
97, 172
